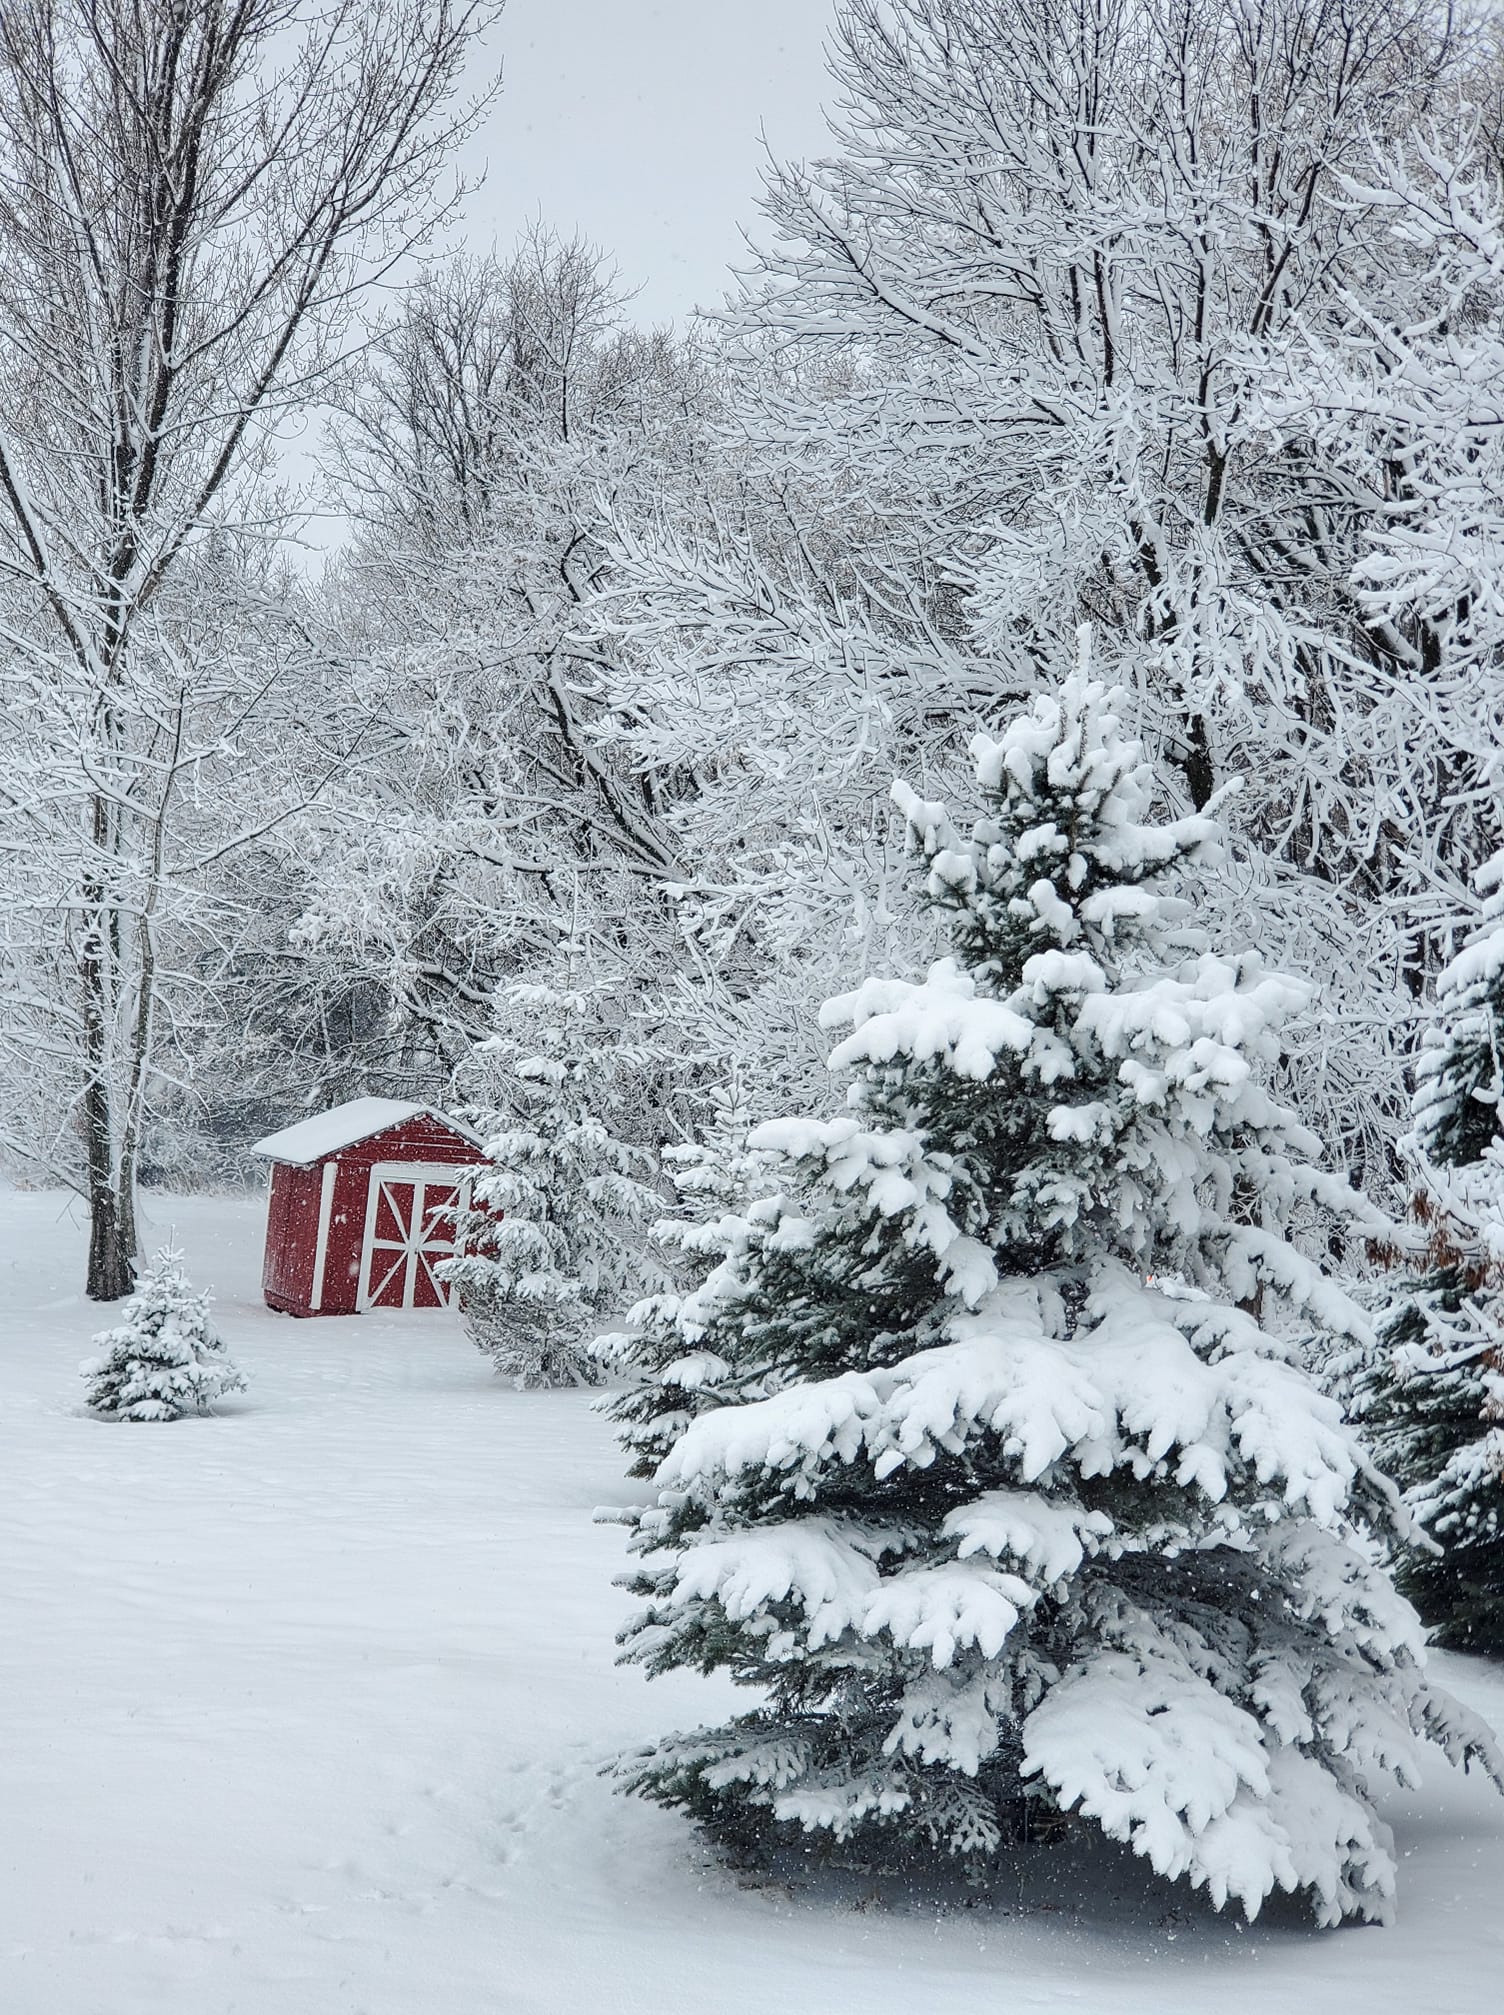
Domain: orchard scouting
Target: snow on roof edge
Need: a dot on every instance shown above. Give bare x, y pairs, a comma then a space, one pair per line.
324, 1133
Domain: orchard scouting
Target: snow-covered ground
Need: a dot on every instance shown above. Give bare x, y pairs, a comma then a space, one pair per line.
301, 1709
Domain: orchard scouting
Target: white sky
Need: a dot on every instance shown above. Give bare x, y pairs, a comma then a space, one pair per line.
637, 123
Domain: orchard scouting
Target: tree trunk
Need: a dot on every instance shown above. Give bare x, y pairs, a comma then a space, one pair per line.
110, 1272
125, 1215
1199, 770
144, 954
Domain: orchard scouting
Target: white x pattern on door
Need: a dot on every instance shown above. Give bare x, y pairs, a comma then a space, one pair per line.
410, 1227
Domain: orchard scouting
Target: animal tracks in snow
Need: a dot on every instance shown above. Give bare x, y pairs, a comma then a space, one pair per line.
532, 1794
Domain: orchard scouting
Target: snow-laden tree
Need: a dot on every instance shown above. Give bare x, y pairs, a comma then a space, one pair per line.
1396, 398
718, 1175
210, 1049
1010, 360
1459, 1078
717, 1169
1435, 1399
552, 1245
193, 196
164, 1358
1045, 1515
499, 405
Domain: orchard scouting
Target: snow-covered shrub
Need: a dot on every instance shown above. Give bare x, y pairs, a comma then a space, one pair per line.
553, 1241
1040, 1515
164, 1358
1435, 1405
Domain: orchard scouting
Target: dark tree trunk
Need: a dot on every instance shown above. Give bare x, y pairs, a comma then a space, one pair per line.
110, 1272
1197, 766
110, 1239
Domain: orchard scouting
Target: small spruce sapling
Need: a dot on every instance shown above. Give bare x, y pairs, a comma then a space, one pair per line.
1434, 1405
552, 1242
1039, 1514
164, 1358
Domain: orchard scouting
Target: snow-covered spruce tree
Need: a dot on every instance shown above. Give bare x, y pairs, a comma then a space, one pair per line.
1435, 1407
718, 1171
553, 1240
1436, 1418
1459, 1078
718, 1177
164, 1358
1044, 1517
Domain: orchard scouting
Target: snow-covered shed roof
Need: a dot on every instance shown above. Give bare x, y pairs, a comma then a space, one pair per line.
309, 1140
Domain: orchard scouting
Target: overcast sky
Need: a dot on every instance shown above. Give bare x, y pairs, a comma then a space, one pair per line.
637, 122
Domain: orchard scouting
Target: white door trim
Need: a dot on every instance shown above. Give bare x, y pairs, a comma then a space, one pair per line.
428, 1171
321, 1248
368, 1243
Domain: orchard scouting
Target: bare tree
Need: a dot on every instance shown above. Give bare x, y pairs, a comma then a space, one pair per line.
492, 416
469, 393
193, 196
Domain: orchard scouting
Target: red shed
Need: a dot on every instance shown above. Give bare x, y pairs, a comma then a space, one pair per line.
362, 1209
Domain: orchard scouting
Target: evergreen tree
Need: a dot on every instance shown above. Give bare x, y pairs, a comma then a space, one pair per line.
552, 1242
1459, 1079
1435, 1402
718, 1171
165, 1358
1039, 1514
718, 1177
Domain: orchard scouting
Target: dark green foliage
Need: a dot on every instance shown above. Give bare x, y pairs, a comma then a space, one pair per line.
1435, 1404
1435, 1413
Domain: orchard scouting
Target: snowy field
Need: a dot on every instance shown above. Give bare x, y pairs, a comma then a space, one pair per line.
301, 1710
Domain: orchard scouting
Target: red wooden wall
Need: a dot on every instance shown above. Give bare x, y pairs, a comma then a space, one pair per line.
292, 1230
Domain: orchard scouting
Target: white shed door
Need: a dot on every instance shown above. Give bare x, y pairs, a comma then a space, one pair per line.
411, 1210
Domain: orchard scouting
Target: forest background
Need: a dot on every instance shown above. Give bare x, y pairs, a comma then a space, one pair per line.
1175, 318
